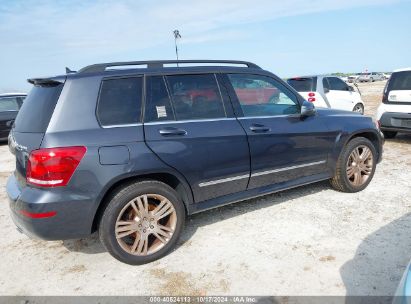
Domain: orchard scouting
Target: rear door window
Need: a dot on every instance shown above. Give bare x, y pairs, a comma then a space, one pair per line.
337, 84
120, 101
400, 81
8, 104
158, 104
304, 84
195, 97
35, 113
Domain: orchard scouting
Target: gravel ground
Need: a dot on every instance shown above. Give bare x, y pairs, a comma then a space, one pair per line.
307, 241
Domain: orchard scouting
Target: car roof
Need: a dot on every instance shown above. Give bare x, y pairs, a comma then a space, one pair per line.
402, 70
159, 67
12, 94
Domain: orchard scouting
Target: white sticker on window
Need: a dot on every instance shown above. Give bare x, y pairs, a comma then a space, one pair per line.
161, 111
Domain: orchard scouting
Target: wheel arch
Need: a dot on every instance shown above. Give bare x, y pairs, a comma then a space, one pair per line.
180, 186
369, 134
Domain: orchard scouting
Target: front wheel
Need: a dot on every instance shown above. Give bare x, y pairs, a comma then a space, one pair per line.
355, 166
142, 222
359, 108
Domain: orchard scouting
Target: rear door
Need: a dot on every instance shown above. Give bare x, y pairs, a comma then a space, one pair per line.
31, 123
189, 124
339, 96
9, 107
283, 146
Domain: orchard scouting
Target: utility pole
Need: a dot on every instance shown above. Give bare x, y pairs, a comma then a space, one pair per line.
177, 35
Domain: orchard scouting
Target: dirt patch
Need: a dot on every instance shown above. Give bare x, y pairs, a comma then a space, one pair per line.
182, 283
75, 269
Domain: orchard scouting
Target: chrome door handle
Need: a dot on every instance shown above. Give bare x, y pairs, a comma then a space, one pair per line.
257, 128
169, 131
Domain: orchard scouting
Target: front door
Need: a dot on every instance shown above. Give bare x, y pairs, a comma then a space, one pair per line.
339, 95
189, 123
283, 145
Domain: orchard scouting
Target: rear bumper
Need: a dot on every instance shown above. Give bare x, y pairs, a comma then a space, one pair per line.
67, 216
392, 121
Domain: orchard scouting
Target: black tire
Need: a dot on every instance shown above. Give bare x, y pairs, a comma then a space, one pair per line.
359, 108
340, 180
118, 200
389, 134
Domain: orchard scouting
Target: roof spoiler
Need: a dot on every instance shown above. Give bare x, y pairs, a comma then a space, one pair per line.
44, 82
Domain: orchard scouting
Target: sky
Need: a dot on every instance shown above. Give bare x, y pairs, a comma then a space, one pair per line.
288, 37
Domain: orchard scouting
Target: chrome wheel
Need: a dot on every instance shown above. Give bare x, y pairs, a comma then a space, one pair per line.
145, 224
359, 165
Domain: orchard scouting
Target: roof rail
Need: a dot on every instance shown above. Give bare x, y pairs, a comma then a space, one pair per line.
101, 67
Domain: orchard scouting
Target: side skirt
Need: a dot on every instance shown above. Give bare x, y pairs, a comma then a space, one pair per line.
252, 193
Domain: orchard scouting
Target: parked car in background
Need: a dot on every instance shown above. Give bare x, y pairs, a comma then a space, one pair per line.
370, 77
353, 78
328, 92
127, 151
344, 78
394, 113
10, 104
387, 76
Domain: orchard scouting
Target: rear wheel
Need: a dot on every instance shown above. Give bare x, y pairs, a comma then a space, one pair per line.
142, 222
389, 134
359, 108
355, 166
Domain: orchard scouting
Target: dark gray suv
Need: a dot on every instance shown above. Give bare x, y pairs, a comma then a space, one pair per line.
129, 149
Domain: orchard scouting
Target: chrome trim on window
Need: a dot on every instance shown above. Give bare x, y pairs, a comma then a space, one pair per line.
224, 180
288, 168
184, 121
272, 116
122, 126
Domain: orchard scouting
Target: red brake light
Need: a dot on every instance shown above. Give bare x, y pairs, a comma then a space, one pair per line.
311, 99
311, 94
53, 167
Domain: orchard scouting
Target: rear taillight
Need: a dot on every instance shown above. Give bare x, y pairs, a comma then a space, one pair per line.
311, 97
53, 167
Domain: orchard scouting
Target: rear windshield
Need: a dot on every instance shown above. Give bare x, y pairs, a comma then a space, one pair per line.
400, 81
35, 113
306, 84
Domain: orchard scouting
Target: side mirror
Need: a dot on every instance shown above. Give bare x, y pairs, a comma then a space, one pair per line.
308, 109
351, 88
326, 90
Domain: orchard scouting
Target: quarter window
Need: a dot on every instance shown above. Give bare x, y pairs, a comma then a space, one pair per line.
8, 104
120, 101
263, 96
337, 84
195, 97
